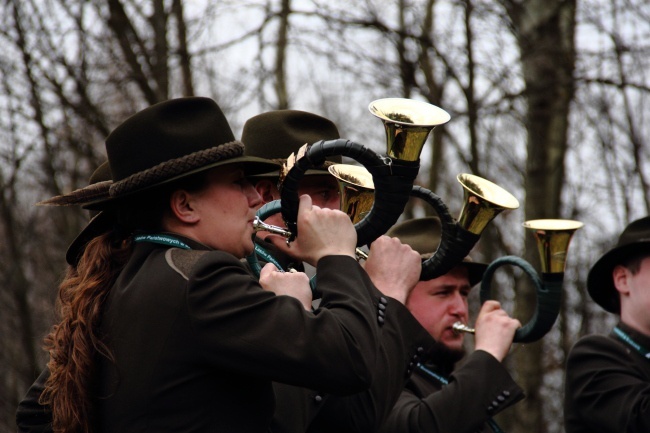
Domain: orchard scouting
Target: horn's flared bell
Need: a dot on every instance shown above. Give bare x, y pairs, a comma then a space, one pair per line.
407, 123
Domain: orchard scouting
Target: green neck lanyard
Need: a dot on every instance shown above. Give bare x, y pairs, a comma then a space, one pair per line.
267, 256
162, 240
443, 381
633, 344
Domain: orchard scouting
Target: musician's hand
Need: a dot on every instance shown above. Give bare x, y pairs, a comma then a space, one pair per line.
495, 330
295, 284
321, 232
393, 267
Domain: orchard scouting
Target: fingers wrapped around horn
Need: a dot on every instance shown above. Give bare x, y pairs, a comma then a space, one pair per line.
393, 181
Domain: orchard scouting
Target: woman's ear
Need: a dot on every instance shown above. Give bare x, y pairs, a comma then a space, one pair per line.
183, 207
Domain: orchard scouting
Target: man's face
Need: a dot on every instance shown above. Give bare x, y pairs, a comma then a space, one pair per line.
323, 190
437, 304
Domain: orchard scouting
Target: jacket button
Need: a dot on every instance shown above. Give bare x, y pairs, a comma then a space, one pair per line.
501, 398
318, 399
383, 300
506, 393
380, 320
382, 306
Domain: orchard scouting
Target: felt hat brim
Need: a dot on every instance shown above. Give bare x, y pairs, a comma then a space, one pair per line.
600, 281
249, 164
170, 141
634, 241
97, 225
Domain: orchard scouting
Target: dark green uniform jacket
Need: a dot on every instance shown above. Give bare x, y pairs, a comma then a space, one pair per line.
197, 342
477, 390
607, 386
402, 346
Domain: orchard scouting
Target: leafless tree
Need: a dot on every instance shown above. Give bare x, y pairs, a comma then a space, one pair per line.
548, 99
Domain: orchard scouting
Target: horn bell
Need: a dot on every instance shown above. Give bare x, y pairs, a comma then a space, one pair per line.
356, 190
553, 237
483, 200
407, 123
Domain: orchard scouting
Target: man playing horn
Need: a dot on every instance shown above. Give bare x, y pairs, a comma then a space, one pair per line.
390, 265
275, 135
438, 396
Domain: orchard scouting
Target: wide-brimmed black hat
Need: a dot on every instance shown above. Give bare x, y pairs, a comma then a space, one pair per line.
99, 221
98, 187
634, 240
424, 235
170, 141
277, 134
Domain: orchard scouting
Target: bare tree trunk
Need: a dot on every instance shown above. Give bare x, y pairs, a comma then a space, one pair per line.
545, 34
280, 57
433, 93
183, 52
160, 55
133, 49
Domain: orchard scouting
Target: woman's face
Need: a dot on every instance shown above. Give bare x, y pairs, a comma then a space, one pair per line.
227, 207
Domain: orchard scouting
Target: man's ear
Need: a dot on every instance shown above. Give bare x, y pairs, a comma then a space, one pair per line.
183, 207
267, 189
620, 274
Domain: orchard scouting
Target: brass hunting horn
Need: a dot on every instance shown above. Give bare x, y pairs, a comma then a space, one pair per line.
483, 201
356, 196
356, 190
553, 237
407, 124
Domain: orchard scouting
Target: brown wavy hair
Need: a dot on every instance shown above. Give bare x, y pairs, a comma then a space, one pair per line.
75, 342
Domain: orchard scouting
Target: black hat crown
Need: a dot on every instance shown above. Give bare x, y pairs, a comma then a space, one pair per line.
424, 236
172, 140
277, 134
633, 241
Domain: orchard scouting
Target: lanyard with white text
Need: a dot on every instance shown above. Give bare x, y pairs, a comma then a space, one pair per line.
269, 258
628, 340
266, 256
442, 380
163, 240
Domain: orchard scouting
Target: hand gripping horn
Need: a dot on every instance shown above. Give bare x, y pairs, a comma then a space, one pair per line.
553, 237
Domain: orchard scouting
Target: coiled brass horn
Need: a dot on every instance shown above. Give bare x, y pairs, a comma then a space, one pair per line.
483, 201
356, 194
356, 190
407, 123
553, 237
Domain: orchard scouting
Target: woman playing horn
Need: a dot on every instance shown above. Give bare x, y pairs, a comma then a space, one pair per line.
162, 328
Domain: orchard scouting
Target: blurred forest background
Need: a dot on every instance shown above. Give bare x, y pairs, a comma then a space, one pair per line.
548, 98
